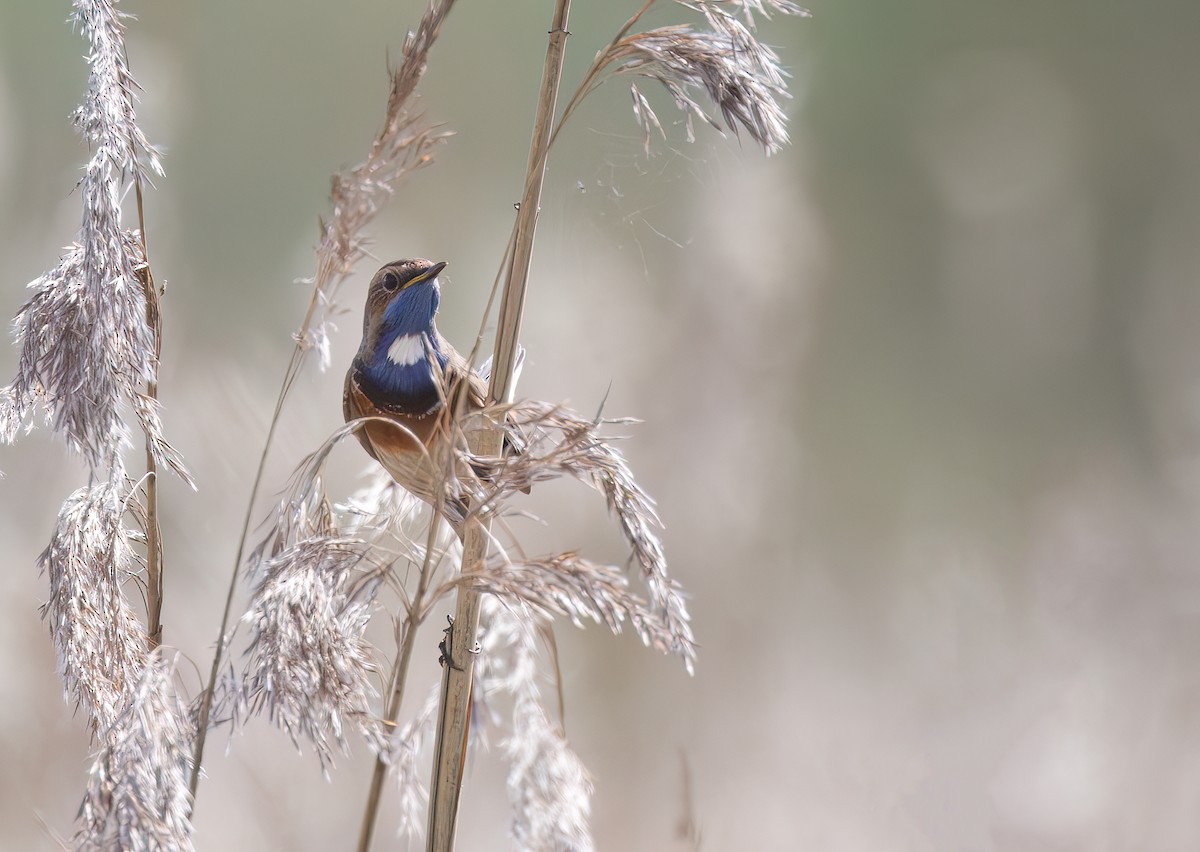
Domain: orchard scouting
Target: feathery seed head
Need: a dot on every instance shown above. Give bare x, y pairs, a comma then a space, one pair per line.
726, 61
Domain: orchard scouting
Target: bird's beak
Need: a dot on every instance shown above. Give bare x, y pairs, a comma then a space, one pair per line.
432, 272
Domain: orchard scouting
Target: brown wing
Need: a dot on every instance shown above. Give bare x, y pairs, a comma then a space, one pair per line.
477, 390
352, 410
456, 369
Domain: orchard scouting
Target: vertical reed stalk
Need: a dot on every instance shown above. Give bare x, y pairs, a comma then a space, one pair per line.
154, 553
399, 678
454, 710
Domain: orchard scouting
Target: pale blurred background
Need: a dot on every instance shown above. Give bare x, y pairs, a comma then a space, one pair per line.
921, 401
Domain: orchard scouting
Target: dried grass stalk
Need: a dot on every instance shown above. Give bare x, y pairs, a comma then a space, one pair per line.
453, 726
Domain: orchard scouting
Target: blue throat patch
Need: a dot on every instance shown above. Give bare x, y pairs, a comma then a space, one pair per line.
411, 388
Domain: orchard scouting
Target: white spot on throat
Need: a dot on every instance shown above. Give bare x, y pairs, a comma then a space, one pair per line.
407, 349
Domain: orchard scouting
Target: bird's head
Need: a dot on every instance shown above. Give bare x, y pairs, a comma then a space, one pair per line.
402, 299
400, 344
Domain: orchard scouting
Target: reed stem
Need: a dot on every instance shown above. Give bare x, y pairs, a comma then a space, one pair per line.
154, 551
413, 621
453, 722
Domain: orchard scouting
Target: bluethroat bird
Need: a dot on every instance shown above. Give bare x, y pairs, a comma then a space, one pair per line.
410, 376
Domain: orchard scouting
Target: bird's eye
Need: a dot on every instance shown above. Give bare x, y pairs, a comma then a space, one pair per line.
391, 282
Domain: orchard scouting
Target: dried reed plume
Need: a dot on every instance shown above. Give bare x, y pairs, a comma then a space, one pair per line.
726, 62
100, 643
750, 8
402, 754
548, 786
404, 144
569, 586
563, 443
86, 325
318, 569
311, 668
89, 338
137, 796
304, 534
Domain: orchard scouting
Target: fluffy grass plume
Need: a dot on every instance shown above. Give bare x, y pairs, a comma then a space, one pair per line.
88, 365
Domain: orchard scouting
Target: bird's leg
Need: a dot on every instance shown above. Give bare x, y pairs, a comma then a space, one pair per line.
444, 656
445, 647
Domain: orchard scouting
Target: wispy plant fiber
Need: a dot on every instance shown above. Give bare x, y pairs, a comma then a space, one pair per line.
567, 585
739, 74
85, 327
403, 145
403, 754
